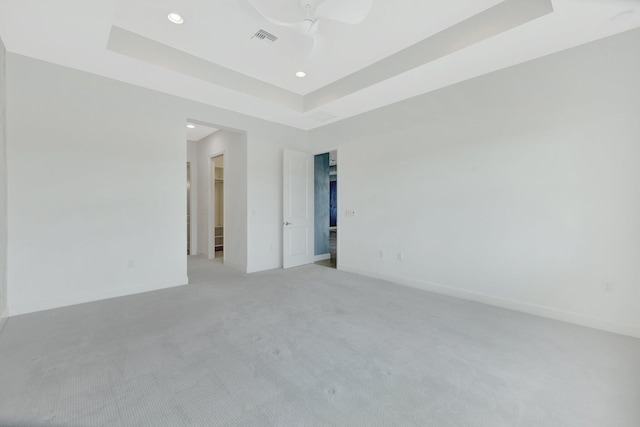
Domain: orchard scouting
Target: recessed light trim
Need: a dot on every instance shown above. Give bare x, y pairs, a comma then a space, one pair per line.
176, 18
191, 126
301, 74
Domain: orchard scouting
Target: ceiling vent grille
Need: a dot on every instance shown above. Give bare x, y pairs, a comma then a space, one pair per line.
264, 36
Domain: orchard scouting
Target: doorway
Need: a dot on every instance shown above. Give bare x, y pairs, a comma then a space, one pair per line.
188, 208
216, 230
326, 209
218, 193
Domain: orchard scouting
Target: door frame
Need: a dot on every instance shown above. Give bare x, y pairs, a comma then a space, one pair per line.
189, 210
211, 205
338, 201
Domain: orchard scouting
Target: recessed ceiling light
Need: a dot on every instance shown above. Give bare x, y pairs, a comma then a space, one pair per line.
301, 74
191, 126
175, 18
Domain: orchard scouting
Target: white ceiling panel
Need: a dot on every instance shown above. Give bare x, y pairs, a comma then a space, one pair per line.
393, 54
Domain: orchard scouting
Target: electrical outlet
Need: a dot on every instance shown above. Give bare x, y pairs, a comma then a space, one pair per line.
399, 256
131, 264
381, 253
607, 288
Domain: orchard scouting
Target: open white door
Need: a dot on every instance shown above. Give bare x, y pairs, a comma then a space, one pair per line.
297, 211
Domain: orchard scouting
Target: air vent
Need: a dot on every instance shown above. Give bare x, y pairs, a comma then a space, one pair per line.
264, 36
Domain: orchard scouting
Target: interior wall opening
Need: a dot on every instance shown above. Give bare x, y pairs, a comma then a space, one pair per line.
217, 208
188, 208
326, 209
217, 213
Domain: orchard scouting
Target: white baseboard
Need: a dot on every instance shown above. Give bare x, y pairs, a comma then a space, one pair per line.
538, 310
321, 257
64, 301
3, 317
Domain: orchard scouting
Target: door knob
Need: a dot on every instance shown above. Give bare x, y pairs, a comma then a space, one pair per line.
287, 223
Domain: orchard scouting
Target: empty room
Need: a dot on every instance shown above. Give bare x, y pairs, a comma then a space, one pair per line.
319, 213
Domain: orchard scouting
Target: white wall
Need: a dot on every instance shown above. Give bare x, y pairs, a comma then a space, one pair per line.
3, 190
96, 178
234, 147
265, 203
97, 181
520, 188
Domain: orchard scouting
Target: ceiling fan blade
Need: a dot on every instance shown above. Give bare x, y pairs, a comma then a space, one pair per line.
279, 12
345, 11
304, 27
293, 38
248, 8
295, 45
319, 46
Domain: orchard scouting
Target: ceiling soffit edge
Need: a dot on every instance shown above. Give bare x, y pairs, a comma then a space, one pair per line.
493, 21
